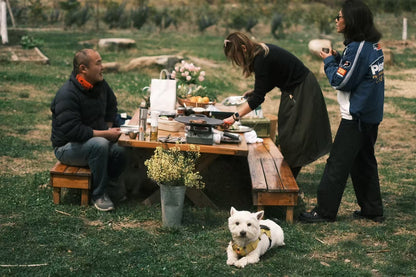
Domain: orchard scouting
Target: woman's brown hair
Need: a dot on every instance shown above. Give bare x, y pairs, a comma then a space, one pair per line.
241, 51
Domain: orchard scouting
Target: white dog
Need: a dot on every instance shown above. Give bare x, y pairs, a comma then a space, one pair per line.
252, 237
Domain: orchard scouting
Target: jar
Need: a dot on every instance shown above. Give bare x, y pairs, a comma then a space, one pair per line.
180, 111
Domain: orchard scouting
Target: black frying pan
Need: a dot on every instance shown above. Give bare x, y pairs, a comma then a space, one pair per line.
187, 120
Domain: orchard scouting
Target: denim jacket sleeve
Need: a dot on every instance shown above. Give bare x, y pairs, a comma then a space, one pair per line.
348, 73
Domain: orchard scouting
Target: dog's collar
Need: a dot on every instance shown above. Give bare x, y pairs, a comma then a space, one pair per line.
244, 251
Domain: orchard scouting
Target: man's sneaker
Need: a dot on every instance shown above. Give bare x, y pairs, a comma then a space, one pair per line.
313, 217
103, 203
375, 218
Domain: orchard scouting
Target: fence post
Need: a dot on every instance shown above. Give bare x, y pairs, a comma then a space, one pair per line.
404, 34
3, 22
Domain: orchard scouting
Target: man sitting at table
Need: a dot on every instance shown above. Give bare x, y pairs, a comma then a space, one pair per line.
83, 113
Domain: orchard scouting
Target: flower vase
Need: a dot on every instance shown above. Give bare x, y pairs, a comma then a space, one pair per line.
172, 200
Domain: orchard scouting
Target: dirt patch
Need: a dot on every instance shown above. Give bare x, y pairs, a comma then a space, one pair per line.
150, 225
400, 83
18, 54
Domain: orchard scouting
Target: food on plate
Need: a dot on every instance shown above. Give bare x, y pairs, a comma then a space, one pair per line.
235, 126
197, 121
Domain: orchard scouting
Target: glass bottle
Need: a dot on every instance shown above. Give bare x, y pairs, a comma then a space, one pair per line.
154, 125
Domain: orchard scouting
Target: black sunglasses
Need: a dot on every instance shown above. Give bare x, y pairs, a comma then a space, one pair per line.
338, 17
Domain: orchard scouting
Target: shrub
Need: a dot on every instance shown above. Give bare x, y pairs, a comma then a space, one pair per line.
162, 19
74, 15
114, 16
20, 15
206, 18
205, 21
29, 42
139, 17
54, 16
243, 18
35, 12
82, 16
322, 16
70, 7
277, 26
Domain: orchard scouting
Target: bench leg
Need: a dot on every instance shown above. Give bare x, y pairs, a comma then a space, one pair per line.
289, 214
56, 195
84, 197
260, 208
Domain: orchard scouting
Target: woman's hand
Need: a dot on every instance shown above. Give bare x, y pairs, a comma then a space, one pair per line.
248, 93
325, 55
228, 122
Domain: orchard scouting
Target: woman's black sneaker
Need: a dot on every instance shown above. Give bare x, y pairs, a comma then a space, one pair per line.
313, 217
375, 218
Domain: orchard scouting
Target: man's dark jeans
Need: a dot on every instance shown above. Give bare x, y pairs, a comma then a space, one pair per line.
106, 160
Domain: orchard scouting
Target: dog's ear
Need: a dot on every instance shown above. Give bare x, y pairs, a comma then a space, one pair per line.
233, 210
259, 215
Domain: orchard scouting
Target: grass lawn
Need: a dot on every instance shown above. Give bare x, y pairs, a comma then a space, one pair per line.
39, 238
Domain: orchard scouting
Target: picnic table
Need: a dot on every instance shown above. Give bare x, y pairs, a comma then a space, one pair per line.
271, 178
209, 153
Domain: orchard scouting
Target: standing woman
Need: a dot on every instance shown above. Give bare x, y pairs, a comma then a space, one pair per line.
358, 76
303, 124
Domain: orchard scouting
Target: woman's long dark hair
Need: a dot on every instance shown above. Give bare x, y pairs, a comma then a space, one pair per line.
245, 59
359, 24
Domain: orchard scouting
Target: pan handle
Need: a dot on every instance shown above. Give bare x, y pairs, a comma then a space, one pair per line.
232, 136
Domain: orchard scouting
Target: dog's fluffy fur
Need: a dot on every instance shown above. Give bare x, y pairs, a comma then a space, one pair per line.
245, 228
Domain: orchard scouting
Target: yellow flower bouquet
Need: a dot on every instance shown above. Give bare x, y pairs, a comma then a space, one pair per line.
175, 167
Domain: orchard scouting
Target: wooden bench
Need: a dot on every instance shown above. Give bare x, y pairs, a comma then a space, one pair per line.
74, 177
272, 180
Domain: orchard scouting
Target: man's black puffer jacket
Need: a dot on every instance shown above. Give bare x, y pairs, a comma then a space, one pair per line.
76, 112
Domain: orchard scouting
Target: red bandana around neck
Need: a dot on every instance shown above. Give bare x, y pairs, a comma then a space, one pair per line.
84, 82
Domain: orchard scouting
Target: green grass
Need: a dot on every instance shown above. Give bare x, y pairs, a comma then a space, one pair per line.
80, 241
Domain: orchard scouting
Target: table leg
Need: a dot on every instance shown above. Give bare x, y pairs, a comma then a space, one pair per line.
152, 199
199, 198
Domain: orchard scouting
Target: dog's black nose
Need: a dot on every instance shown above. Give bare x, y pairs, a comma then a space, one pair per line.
243, 233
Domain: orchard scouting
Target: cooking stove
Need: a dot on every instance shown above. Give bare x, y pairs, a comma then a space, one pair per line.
199, 134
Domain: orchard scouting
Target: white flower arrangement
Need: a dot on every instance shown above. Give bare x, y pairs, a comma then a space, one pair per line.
189, 79
188, 73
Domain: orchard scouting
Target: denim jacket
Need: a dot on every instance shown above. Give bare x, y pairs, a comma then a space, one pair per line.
359, 75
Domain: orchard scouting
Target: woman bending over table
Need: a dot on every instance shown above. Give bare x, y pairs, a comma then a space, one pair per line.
303, 124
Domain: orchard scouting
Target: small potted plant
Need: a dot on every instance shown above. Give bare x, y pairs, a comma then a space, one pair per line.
174, 170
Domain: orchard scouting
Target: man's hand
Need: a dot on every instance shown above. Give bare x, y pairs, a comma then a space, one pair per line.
113, 134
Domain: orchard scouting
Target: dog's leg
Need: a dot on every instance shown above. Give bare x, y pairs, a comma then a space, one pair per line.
231, 255
251, 258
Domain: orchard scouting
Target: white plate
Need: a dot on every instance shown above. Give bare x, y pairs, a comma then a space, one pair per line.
241, 129
129, 128
234, 101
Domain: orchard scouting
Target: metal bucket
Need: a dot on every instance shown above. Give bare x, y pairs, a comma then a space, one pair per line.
172, 199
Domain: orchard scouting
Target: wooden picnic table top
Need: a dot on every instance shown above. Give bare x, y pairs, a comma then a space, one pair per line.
234, 149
